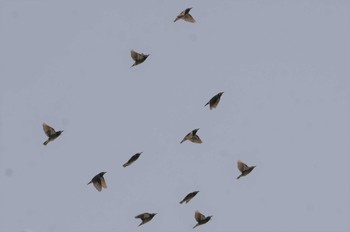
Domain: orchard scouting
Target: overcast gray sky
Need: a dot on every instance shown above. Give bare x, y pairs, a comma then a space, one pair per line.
284, 68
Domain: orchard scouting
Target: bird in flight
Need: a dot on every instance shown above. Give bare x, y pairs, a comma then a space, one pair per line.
244, 169
138, 57
201, 219
189, 197
51, 133
132, 159
185, 15
145, 217
214, 101
99, 181
192, 136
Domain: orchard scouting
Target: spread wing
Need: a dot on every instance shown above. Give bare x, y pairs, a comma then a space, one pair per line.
49, 131
196, 139
135, 56
198, 216
189, 18
241, 166
98, 185
103, 182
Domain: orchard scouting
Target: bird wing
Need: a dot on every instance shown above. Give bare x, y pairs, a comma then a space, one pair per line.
189, 18
142, 216
196, 139
198, 216
187, 11
135, 56
103, 182
97, 185
241, 166
194, 131
49, 131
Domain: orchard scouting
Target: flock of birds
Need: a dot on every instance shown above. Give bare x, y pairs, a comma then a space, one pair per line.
99, 182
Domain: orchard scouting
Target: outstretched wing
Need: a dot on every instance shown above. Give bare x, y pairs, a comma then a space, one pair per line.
49, 131
198, 216
103, 182
135, 56
196, 139
189, 18
241, 166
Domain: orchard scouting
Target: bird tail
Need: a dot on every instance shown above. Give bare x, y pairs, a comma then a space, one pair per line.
176, 19
124, 165
182, 201
239, 176
46, 142
183, 140
196, 225
206, 104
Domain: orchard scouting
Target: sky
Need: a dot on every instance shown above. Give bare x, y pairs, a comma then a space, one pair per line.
283, 67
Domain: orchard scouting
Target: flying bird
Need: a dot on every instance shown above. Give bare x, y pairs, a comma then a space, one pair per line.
201, 219
192, 136
51, 133
132, 159
189, 196
145, 217
185, 15
99, 181
214, 101
244, 169
138, 57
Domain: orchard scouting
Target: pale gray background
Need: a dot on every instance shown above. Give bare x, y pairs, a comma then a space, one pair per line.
284, 68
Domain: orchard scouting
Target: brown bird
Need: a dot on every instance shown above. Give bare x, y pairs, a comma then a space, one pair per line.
201, 219
189, 197
145, 217
138, 57
213, 103
99, 181
132, 159
51, 133
185, 15
192, 136
245, 170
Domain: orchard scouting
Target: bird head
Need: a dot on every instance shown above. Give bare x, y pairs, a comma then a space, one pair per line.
221, 93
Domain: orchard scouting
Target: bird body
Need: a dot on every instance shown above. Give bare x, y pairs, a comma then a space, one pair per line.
99, 181
214, 101
244, 169
132, 159
192, 136
201, 219
189, 196
51, 133
145, 217
185, 15
138, 57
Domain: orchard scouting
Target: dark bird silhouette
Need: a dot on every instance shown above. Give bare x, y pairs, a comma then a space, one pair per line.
214, 101
185, 15
132, 159
192, 136
138, 57
145, 217
244, 169
201, 219
99, 181
189, 196
51, 133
